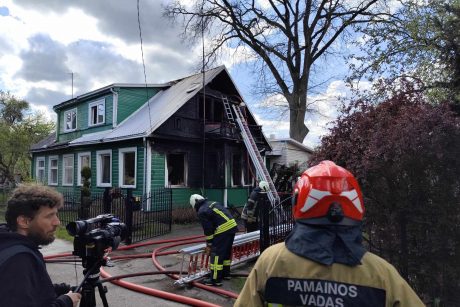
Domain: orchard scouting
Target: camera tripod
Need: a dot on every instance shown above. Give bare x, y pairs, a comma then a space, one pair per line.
90, 281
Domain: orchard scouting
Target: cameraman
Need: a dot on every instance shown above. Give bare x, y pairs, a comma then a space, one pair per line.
31, 221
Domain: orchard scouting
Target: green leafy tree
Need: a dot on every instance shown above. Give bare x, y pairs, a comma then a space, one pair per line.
404, 152
420, 40
283, 38
19, 129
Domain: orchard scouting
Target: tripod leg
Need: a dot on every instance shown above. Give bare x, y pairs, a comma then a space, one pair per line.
102, 291
88, 298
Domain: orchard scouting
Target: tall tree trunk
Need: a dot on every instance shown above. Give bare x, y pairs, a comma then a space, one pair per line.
297, 110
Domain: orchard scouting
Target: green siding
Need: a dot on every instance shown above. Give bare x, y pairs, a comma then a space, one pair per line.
93, 150
214, 194
158, 170
237, 196
140, 171
82, 119
115, 167
131, 99
181, 197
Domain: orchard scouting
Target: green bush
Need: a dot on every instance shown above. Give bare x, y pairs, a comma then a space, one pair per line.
86, 175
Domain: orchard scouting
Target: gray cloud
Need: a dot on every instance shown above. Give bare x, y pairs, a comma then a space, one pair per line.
165, 66
44, 60
119, 19
96, 62
5, 46
41, 96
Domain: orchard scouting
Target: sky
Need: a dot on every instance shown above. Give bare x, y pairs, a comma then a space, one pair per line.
46, 44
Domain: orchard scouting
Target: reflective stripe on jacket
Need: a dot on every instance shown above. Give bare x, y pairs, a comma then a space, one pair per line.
281, 278
215, 219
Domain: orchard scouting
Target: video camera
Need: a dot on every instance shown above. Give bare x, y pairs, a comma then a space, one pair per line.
93, 236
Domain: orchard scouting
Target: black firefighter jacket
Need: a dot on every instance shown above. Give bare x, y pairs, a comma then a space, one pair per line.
215, 219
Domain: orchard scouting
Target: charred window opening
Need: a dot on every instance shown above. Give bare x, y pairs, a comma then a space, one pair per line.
247, 174
176, 164
213, 110
214, 171
236, 170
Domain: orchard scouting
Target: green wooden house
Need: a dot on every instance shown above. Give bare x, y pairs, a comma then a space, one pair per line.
138, 136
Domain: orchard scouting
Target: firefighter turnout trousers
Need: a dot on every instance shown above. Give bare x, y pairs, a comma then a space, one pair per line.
221, 255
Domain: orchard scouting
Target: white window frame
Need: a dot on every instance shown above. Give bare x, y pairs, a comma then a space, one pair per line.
38, 169
121, 165
98, 168
50, 168
90, 114
185, 170
79, 166
65, 120
66, 169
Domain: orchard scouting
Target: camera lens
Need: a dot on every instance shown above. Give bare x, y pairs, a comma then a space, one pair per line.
76, 228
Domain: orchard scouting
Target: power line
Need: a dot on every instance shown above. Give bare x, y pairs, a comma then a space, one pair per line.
204, 98
143, 63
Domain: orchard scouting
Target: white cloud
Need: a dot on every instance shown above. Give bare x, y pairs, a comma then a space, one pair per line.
41, 42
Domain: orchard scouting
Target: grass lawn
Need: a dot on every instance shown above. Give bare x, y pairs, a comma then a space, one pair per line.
61, 233
2, 214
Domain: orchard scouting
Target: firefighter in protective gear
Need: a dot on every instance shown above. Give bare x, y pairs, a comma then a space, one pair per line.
250, 213
219, 227
322, 261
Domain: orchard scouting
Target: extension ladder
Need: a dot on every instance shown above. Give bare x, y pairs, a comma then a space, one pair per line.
196, 264
253, 151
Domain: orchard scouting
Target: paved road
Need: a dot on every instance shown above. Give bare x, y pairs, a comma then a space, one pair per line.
119, 297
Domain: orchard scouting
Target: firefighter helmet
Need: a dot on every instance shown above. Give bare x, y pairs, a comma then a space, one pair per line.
328, 194
194, 199
263, 185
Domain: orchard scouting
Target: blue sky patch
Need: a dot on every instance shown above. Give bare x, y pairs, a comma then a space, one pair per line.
4, 11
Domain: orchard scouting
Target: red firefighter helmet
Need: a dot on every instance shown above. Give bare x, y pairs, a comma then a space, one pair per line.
328, 194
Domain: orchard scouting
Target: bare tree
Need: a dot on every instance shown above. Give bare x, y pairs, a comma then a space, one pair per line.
287, 37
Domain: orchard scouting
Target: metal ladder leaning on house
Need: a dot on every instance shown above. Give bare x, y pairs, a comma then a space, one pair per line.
253, 151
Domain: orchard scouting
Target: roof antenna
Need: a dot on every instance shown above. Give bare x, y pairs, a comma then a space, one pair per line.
71, 75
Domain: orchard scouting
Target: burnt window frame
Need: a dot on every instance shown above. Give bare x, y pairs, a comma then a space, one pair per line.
184, 182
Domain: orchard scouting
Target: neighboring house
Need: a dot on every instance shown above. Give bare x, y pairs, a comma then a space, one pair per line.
287, 152
149, 136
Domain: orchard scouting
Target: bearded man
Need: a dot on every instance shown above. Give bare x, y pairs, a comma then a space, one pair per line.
31, 222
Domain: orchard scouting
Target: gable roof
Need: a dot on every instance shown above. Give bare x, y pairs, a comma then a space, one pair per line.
156, 111
153, 113
290, 141
105, 89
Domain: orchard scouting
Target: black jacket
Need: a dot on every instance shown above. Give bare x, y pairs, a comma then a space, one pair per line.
24, 280
215, 219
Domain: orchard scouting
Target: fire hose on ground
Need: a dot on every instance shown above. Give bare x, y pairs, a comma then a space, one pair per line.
156, 253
